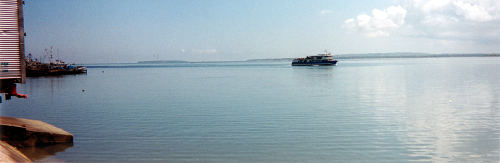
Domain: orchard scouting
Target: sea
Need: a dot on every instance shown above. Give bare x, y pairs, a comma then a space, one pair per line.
361, 110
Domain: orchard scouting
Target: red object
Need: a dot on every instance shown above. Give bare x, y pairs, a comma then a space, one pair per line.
13, 92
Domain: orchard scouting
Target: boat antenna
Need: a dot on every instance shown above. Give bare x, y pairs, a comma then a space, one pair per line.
51, 53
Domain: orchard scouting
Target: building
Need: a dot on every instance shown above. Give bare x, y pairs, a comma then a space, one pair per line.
12, 41
11, 46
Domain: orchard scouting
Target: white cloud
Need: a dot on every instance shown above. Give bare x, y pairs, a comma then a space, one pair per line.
439, 20
457, 19
473, 12
470, 10
379, 23
326, 12
430, 6
471, 20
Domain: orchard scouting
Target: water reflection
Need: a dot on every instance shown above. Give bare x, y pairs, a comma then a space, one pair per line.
439, 117
40, 153
49, 83
359, 111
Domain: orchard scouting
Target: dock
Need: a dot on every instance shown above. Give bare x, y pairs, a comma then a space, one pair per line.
34, 67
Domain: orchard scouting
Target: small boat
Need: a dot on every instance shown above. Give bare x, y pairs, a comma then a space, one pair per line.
325, 59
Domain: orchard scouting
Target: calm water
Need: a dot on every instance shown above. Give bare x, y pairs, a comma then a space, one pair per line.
377, 110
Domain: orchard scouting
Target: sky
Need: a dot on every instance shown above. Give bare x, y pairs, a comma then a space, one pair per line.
125, 31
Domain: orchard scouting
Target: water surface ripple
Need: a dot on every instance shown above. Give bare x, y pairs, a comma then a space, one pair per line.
377, 110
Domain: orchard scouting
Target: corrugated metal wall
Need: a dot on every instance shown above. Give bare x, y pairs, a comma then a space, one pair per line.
11, 39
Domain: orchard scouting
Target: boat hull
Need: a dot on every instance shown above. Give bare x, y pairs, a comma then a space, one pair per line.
322, 63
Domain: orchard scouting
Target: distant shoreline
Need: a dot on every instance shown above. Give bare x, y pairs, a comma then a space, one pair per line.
386, 55
339, 56
162, 61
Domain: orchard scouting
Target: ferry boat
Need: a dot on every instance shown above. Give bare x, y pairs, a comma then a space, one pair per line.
325, 59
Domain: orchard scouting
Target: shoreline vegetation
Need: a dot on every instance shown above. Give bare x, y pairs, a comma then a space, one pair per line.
343, 56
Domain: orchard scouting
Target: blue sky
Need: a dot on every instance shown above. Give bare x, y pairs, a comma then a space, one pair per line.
96, 31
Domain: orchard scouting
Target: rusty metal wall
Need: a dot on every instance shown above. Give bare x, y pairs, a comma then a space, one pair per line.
11, 40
